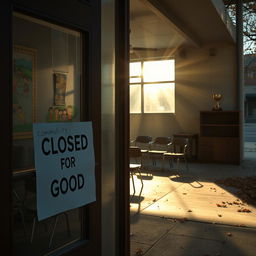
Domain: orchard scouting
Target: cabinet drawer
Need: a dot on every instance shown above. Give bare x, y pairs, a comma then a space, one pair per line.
219, 150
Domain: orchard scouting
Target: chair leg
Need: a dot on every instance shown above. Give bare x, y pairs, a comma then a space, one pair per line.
53, 231
33, 230
186, 162
21, 214
148, 159
142, 184
143, 164
67, 222
153, 161
162, 163
20, 208
171, 163
134, 191
178, 163
54, 227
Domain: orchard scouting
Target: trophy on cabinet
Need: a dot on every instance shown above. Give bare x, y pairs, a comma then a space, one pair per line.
217, 97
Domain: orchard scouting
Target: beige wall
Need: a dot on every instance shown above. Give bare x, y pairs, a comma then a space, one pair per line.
197, 76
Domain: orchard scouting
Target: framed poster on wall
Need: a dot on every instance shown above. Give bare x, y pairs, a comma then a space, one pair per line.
24, 91
60, 84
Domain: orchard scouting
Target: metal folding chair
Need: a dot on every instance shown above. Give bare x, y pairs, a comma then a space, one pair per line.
178, 151
135, 166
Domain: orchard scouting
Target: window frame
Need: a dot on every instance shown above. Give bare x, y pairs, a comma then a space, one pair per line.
142, 83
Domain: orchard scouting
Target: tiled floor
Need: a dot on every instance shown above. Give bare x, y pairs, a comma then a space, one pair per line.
177, 213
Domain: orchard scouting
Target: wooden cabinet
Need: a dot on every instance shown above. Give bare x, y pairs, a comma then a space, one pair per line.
219, 140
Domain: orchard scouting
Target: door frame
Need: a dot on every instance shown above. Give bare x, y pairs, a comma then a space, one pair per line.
122, 42
5, 128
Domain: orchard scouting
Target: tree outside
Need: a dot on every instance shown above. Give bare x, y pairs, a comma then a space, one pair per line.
249, 20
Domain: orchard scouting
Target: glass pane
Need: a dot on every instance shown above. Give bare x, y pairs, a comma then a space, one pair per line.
159, 71
135, 69
135, 98
135, 79
159, 98
46, 88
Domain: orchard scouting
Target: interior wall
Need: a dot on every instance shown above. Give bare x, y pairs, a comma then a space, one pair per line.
199, 73
43, 40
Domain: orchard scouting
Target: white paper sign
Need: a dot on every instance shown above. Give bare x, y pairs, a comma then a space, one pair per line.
65, 164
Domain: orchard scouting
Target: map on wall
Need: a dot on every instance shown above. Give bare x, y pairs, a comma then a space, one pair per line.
24, 60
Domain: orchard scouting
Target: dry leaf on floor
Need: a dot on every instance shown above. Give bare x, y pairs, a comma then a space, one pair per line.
182, 220
139, 252
241, 225
244, 210
246, 188
221, 205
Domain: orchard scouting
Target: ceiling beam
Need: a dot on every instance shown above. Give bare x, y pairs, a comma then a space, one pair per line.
157, 8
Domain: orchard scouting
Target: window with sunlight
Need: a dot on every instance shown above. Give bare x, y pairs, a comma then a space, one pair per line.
152, 86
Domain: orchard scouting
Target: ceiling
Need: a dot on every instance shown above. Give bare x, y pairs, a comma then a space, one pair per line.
174, 23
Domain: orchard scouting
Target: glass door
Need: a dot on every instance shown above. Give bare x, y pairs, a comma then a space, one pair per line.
46, 89
54, 80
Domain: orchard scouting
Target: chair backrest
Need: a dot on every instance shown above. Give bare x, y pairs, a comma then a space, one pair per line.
143, 142
162, 140
143, 139
135, 152
161, 143
135, 155
179, 145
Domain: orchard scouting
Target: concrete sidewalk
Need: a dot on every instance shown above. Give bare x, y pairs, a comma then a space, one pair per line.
155, 236
187, 213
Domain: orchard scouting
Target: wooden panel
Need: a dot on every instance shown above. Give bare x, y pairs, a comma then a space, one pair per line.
220, 130
221, 117
219, 150
219, 137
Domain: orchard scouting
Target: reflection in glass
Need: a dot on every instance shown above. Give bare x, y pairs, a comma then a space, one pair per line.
46, 88
135, 98
159, 98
